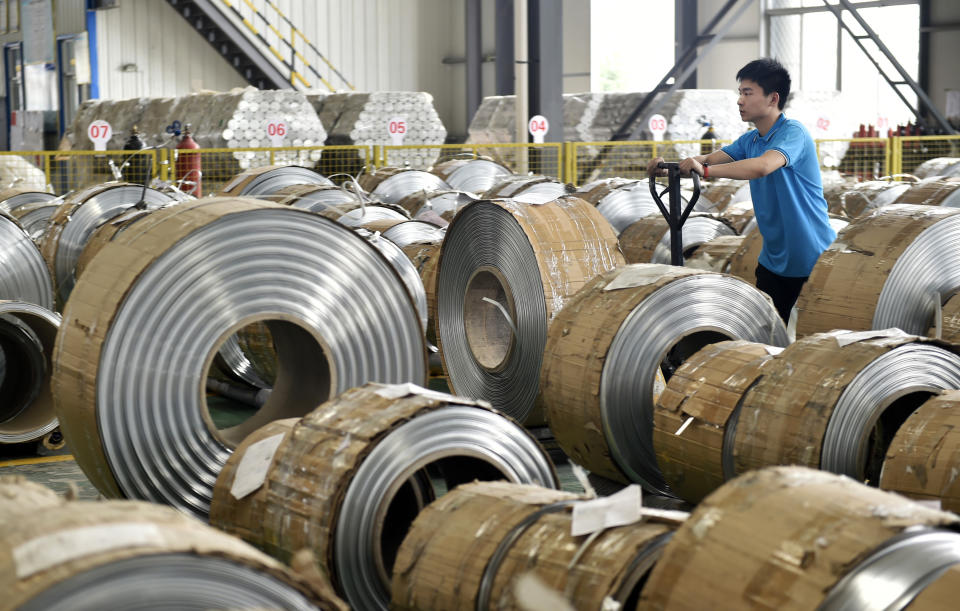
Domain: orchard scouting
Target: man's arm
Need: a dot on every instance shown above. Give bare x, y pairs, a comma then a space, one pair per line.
712, 158
746, 169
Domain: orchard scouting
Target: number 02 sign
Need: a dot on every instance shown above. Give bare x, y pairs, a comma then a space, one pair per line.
99, 133
276, 131
397, 128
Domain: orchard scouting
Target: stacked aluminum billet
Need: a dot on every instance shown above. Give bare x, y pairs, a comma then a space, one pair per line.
233, 119
362, 118
16, 171
825, 114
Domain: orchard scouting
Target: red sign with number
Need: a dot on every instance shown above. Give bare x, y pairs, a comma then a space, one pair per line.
276, 129
397, 126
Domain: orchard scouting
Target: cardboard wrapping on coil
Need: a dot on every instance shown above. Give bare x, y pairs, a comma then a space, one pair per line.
370, 181
298, 505
21, 495
640, 239
784, 416
949, 321
845, 284
720, 192
602, 188
780, 538
94, 304
941, 595
292, 193
443, 558
717, 254
511, 186
238, 183
425, 258
932, 193
122, 530
864, 197
743, 263
923, 459
708, 387
738, 214
574, 357
106, 233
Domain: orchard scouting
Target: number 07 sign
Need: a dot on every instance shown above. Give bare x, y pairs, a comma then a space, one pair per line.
99, 133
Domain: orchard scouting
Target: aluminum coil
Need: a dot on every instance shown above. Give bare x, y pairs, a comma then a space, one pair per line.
443, 204
648, 240
892, 269
740, 215
404, 268
319, 197
11, 199
865, 197
474, 175
938, 166
607, 347
395, 186
129, 374
414, 232
370, 214
268, 180
628, 204
85, 556
347, 477
721, 192
79, 216
24, 275
528, 260
533, 189
27, 336
35, 218
933, 192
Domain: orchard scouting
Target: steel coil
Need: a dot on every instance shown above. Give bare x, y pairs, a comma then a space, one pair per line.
627, 205
79, 216
24, 275
130, 370
393, 187
524, 260
865, 197
889, 269
473, 175
404, 268
84, 556
11, 199
832, 400
414, 232
534, 189
27, 336
370, 214
268, 180
443, 204
933, 192
365, 456
35, 218
319, 197
648, 240
796, 538
609, 344
938, 166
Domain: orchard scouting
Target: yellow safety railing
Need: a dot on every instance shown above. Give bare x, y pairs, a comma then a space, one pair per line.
546, 158
864, 158
589, 161
65, 171
911, 151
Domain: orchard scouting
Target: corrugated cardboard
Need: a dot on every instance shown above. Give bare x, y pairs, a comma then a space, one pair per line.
442, 560
719, 192
708, 387
640, 239
845, 284
573, 361
743, 263
930, 193
371, 180
949, 321
603, 188
780, 538
106, 233
716, 255
425, 257
738, 214
238, 183
941, 595
924, 457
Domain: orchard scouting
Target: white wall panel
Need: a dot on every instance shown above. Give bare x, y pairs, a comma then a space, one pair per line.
69, 16
170, 57
719, 68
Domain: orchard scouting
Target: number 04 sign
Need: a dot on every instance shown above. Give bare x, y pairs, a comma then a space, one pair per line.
538, 127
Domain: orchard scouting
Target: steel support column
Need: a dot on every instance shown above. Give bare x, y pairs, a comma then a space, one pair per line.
503, 35
473, 20
685, 35
546, 64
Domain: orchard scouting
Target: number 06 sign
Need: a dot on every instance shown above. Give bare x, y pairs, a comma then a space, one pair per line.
276, 131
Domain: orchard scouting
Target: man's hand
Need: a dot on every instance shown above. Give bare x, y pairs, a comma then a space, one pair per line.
690, 164
653, 170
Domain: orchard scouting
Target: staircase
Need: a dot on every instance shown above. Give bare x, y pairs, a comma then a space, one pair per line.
260, 42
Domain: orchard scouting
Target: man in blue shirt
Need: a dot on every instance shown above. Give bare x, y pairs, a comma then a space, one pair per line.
779, 159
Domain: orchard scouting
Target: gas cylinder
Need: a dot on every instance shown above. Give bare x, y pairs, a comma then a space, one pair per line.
138, 167
188, 168
707, 148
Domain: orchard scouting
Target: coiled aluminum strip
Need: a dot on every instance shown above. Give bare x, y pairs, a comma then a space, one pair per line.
628, 204
452, 431
27, 405
535, 189
240, 365
35, 218
400, 185
690, 304
176, 306
438, 202
80, 215
271, 181
23, 275
938, 166
928, 268
404, 268
476, 175
721, 192
414, 232
933, 192
907, 369
367, 214
698, 230
866, 197
892, 576
740, 215
11, 199
176, 581
320, 198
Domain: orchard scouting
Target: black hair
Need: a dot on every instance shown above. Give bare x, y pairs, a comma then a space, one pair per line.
770, 75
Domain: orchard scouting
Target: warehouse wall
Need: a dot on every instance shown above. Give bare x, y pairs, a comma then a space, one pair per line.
169, 57
944, 50
740, 45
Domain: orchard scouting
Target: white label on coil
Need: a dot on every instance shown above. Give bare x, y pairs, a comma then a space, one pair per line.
666, 515
276, 132
397, 391
773, 350
638, 275
99, 133
846, 339
254, 466
397, 128
57, 548
538, 126
624, 507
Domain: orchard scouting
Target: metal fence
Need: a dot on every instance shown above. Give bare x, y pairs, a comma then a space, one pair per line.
572, 162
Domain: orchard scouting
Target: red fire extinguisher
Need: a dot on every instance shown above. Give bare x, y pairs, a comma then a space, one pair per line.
188, 165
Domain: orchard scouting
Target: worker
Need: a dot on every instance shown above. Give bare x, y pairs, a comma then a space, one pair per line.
779, 159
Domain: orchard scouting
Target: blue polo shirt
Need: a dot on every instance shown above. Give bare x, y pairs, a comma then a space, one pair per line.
788, 203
